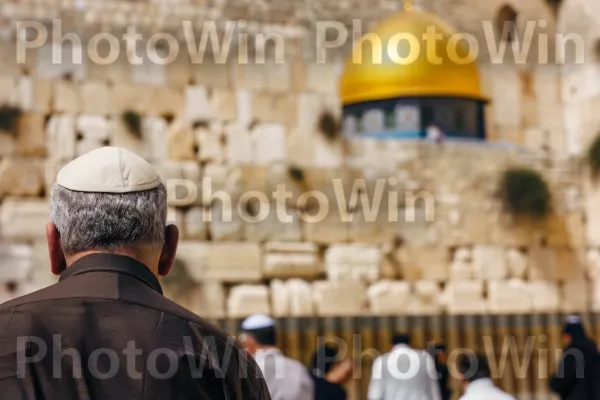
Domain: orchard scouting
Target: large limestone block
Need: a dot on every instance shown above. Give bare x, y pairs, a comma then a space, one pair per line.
565, 230
93, 127
268, 143
21, 177
353, 261
31, 140
197, 104
426, 299
509, 297
464, 297
226, 223
323, 77
284, 260
280, 299
95, 98
210, 73
16, 262
341, 298
278, 77
593, 264
301, 298
66, 97
131, 97
155, 133
595, 295
60, 138
560, 263
423, 262
517, 263
274, 108
195, 224
327, 230
245, 300
210, 142
292, 298
390, 298
25, 93
239, 144
22, 219
574, 297
224, 104
207, 300
181, 141
228, 262
279, 224
491, 261
545, 296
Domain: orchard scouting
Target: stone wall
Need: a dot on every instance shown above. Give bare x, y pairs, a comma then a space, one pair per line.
439, 241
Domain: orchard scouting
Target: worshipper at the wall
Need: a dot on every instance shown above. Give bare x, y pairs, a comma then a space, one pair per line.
578, 373
438, 352
325, 361
105, 331
404, 374
476, 379
287, 379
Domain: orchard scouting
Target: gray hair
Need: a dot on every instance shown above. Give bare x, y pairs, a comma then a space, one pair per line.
108, 221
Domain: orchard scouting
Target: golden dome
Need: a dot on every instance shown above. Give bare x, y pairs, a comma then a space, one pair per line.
407, 69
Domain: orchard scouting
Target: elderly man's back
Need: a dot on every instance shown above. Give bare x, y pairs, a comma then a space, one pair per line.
105, 331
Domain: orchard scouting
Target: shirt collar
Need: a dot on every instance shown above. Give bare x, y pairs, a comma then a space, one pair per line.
115, 263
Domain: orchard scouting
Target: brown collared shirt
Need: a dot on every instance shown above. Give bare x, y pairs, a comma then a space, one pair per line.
105, 331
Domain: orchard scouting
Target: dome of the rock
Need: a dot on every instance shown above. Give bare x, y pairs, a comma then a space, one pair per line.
410, 68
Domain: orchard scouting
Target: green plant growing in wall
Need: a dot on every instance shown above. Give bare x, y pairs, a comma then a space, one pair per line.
329, 125
593, 156
524, 193
9, 119
133, 122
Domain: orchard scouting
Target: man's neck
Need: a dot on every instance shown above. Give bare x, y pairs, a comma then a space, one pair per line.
146, 260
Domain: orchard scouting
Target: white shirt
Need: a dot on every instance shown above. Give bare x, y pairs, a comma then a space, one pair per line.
287, 379
484, 389
404, 374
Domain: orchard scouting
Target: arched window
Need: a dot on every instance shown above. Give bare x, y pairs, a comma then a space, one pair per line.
506, 23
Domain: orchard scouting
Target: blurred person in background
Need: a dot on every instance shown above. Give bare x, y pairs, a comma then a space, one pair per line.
578, 374
287, 379
404, 374
329, 372
476, 380
438, 352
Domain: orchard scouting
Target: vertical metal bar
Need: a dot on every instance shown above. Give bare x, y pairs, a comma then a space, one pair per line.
417, 332
292, 338
347, 333
453, 343
539, 360
310, 334
524, 353
504, 338
384, 334
366, 354
554, 340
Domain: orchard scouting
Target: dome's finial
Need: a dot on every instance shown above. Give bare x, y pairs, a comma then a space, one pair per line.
408, 5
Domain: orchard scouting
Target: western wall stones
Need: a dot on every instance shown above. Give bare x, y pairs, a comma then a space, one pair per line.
339, 298
423, 262
390, 298
545, 296
21, 177
509, 297
245, 300
464, 297
24, 219
352, 261
285, 260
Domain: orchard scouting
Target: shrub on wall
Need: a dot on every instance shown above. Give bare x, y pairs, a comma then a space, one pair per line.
594, 156
133, 122
524, 193
9, 119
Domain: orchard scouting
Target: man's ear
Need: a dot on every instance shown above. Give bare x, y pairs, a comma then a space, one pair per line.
58, 262
167, 255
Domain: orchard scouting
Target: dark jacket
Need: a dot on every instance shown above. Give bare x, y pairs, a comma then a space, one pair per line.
325, 390
105, 331
578, 374
443, 378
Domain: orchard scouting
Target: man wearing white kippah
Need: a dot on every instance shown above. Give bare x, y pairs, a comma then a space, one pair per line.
105, 331
287, 379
